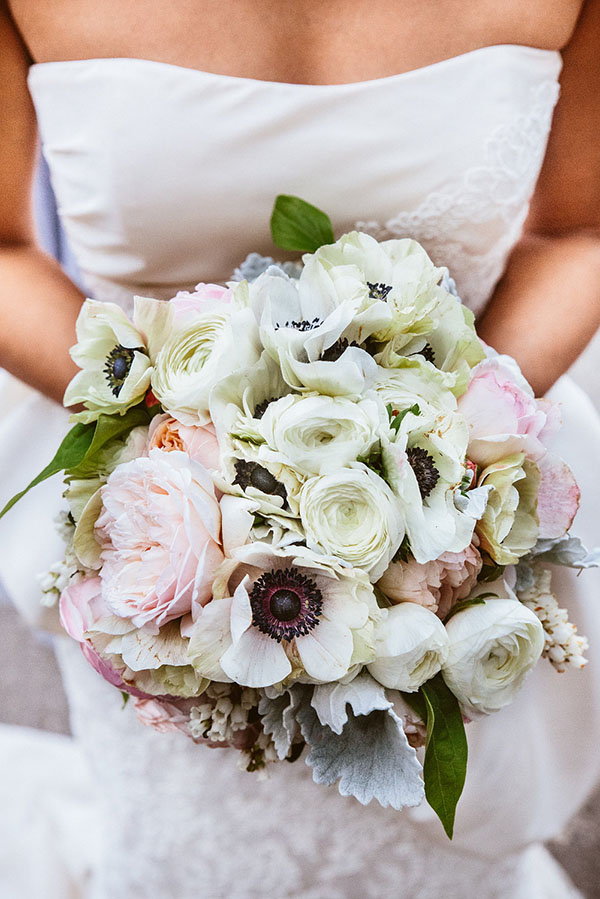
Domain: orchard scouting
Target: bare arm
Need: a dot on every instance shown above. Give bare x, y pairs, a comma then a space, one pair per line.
38, 303
547, 306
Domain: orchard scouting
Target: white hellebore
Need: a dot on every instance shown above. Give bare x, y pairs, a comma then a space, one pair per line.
115, 365
319, 434
411, 646
492, 648
352, 514
284, 611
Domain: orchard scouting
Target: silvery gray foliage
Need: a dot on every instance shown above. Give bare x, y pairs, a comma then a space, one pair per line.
254, 265
371, 758
278, 713
363, 694
449, 284
565, 550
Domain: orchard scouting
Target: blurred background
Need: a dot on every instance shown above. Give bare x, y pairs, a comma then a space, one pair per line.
32, 694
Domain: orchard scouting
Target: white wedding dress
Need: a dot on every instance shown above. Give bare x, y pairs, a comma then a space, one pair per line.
166, 176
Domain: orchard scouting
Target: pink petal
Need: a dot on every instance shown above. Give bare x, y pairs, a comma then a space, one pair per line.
558, 497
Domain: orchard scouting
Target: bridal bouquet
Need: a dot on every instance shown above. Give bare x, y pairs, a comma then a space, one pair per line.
311, 509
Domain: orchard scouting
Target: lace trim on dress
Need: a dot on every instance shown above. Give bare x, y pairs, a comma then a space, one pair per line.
496, 192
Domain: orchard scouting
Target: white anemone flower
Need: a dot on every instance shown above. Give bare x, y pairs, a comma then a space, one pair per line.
396, 272
284, 612
354, 515
425, 469
115, 367
411, 646
316, 338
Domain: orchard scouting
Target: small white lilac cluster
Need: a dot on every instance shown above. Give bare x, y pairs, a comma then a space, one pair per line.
308, 495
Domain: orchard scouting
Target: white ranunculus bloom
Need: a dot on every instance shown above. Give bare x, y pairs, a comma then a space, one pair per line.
509, 526
115, 368
492, 648
197, 355
319, 434
316, 336
413, 384
411, 646
352, 514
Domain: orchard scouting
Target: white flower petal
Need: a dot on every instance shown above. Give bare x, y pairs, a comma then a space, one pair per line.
256, 660
326, 651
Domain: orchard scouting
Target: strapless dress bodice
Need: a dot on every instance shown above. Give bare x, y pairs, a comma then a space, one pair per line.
166, 175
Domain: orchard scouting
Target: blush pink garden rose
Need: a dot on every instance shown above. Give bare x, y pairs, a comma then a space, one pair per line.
503, 415
163, 715
160, 534
187, 304
81, 606
168, 434
436, 585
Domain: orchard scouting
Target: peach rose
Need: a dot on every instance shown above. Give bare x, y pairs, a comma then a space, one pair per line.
168, 434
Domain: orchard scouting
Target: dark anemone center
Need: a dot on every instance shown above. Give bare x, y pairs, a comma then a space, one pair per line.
261, 408
285, 604
333, 353
428, 353
118, 365
378, 291
424, 468
302, 325
251, 474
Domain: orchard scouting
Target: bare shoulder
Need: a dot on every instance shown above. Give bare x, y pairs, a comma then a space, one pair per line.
568, 192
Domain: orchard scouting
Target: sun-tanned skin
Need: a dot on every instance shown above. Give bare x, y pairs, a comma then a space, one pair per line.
546, 307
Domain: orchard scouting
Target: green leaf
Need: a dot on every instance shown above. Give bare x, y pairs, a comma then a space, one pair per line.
70, 453
445, 766
108, 427
465, 603
298, 226
396, 418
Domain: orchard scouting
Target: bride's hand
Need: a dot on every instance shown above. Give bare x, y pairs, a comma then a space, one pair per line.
547, 306
38, 303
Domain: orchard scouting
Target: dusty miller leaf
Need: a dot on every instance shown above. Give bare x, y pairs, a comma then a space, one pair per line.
371, 758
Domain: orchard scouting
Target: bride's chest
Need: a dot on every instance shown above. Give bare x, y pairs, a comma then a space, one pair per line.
166, 175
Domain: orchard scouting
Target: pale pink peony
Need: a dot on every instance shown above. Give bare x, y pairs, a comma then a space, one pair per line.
168, 434
437, 585
503, 415
202, 299
160, 533
163, 715
81, 606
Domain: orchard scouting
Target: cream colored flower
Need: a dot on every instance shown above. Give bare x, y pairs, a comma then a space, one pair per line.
492, 648
510, 525
353, 515
411, 645
115, 367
